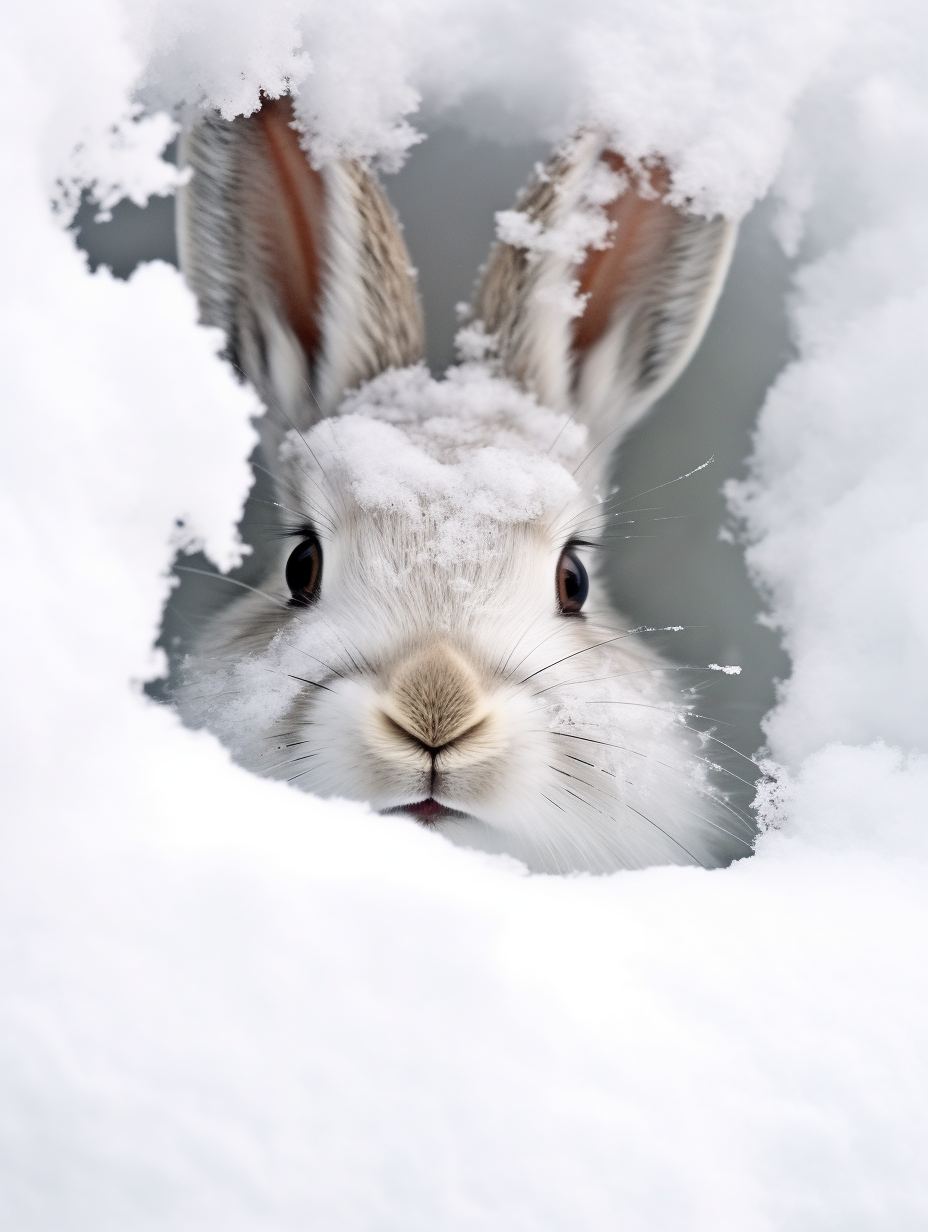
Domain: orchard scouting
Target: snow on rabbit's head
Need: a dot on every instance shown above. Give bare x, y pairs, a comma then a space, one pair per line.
430, 635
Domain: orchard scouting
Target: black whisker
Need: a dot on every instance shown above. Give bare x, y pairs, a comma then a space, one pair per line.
586, 649
554, 802
288, 761
589, 740
315, 683
665, 833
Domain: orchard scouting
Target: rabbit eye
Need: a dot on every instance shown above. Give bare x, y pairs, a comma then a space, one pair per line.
573, 582
304, 571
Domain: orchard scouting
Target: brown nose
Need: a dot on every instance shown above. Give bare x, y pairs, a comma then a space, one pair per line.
435, 696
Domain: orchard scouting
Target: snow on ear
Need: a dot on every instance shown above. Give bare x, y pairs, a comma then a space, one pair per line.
598, 291
304, 268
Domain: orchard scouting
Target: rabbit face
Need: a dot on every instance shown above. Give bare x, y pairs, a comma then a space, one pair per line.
431, 636
444, 648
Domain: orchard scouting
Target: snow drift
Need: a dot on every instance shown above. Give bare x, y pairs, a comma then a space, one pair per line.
224, 1004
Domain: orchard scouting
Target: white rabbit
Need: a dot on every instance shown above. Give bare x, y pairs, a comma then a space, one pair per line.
430, 636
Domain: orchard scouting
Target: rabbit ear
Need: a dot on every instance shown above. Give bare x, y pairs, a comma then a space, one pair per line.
599, 291
305, 269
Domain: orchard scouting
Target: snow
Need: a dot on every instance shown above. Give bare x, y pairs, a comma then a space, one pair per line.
437, 436
362, 75
843, 446
226, 1004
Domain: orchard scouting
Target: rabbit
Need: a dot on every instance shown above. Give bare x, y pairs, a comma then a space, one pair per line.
431, 635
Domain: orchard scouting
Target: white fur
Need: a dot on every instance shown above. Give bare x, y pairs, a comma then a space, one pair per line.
387, 596
443, 509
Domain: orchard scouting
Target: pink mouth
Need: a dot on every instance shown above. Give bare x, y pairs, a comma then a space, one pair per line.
428, 812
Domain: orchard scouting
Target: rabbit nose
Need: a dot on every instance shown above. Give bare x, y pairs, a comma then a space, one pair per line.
435, 697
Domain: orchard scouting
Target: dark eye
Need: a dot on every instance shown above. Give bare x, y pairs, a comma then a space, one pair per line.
573, 582
304, 571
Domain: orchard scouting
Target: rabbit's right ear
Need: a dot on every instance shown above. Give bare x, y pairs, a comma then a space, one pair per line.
306, 270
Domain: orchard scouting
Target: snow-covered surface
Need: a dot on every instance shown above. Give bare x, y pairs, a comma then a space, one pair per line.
224, 1004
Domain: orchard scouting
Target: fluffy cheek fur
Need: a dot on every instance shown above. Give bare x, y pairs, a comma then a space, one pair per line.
579, 758
251, 687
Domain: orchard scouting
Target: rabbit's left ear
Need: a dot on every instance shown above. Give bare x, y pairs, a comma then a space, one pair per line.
600, 291
304, 268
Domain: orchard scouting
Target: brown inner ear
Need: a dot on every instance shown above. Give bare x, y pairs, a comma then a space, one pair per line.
291, 212
641, 232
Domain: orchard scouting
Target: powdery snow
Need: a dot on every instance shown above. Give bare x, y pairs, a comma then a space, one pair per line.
435, 435
226, 1004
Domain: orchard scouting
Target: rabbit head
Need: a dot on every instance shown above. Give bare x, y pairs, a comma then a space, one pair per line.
430, 635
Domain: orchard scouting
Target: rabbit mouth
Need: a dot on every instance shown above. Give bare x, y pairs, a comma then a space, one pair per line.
429, 811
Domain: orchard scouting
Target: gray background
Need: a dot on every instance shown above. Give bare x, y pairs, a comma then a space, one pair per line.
446, 196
